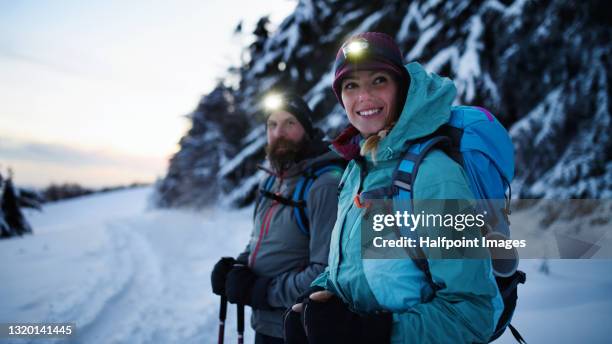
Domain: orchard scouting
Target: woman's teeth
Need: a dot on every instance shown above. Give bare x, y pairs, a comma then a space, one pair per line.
369, 112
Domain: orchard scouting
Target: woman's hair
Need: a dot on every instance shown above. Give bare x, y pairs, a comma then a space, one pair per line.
370, 146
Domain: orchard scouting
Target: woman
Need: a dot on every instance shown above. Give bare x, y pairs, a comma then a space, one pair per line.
377, 301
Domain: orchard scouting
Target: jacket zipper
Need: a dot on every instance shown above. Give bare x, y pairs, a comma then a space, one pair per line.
265, 224
263, 230
361, 163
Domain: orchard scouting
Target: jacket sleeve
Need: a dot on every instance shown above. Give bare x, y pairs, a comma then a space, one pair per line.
465, 309
461, 312
321, 280
243, 257
322, 204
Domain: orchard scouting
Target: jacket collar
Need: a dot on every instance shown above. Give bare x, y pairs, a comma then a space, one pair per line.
347, 143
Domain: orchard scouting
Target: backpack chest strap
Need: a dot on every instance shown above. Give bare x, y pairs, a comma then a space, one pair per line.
283, 200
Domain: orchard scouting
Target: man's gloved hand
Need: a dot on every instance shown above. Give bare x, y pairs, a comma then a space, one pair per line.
244, 287
328, 320
306, 294
219, 274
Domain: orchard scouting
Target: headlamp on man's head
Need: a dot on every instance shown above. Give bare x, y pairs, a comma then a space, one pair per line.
291, 103
273, 102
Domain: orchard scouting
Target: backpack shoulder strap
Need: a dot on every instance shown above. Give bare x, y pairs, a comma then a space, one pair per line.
265, 188
403, 178
401, 189
300, 193
422, 150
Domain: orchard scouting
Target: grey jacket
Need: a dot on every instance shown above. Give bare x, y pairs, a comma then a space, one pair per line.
279, 249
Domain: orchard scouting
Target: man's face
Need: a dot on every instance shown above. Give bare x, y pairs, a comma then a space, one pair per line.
285, 137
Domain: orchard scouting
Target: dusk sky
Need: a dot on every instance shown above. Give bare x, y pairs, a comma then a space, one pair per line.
96, 92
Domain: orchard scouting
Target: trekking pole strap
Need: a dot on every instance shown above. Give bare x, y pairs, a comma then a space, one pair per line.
240, 327
222, 316
516, 334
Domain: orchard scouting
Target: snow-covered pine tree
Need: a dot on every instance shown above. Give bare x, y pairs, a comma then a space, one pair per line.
12, 220
214, 136
543, 67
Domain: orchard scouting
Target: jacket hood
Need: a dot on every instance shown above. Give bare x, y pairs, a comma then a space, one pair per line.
427, 107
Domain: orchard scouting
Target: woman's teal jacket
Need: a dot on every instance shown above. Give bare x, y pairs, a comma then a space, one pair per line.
468, 305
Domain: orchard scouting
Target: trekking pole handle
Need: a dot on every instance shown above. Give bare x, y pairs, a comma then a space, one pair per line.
240, 314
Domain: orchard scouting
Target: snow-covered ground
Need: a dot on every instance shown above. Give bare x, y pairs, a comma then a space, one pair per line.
127, 274
122, 273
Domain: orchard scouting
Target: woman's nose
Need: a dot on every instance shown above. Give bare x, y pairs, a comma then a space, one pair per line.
364, 94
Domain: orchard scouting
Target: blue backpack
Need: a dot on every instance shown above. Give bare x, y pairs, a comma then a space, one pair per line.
300, 193
476, 140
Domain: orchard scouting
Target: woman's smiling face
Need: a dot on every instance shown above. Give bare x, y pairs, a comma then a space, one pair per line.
370, 100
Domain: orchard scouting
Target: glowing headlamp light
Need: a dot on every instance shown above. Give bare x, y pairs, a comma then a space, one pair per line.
273, 102
355, 48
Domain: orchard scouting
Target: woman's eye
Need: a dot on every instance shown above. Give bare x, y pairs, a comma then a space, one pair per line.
350, 85
379, 80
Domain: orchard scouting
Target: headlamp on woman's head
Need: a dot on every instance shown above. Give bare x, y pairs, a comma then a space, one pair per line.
355, 48
369, 51
360, 50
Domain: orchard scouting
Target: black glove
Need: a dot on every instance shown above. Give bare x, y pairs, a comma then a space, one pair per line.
219, 274
292, 321
333, 322
244, 287
293, 328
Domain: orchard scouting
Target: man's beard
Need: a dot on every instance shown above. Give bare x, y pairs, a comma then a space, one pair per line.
283, 153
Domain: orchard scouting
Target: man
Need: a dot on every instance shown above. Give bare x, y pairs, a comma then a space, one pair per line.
289, 244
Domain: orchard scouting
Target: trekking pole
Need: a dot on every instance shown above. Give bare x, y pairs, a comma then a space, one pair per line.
222, 314
240, 310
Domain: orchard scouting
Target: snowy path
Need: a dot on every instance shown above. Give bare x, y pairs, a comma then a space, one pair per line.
122, 273
125, 274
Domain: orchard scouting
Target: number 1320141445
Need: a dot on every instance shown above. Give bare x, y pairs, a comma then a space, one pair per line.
37, 330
